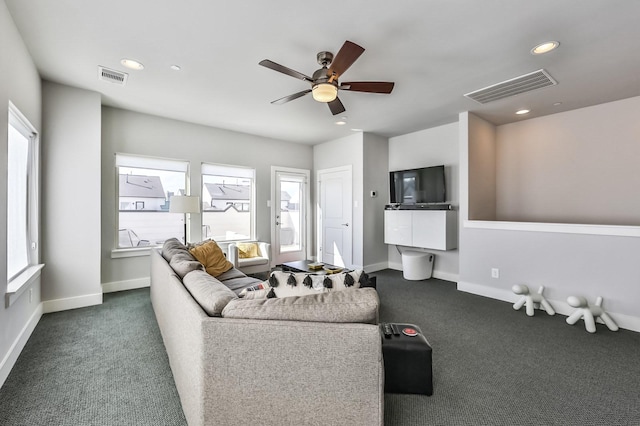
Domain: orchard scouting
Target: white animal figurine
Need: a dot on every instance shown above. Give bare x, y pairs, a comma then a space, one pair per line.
590, 313
530, 299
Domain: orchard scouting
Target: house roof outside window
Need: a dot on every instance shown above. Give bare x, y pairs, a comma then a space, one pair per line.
139, 186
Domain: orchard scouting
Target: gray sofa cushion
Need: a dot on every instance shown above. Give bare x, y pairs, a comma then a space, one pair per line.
231, 274
171, 247
210, 293
236, 280
183, 263
351, 305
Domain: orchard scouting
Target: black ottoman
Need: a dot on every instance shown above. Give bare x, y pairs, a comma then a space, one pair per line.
407, 361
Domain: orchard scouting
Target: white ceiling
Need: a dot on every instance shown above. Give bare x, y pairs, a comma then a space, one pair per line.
434, 50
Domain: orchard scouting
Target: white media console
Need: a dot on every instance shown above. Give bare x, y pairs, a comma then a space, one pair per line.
430, 229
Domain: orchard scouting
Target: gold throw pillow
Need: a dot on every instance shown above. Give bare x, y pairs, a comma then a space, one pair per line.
247, 250
212, 257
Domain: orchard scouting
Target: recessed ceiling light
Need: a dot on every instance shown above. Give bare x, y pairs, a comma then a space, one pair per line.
175, 67
132, 64
557, 104
522, 111
545, 47
341, 122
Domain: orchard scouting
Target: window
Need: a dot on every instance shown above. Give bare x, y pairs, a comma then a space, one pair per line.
228, 202
145, 186
22, 194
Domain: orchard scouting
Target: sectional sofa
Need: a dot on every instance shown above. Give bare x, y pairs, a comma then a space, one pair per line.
305, 360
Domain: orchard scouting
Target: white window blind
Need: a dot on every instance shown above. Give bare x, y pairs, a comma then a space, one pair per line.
230, 171
142, 162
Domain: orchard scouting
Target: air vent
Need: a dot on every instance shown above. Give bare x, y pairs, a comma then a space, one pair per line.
112, 76
515, 86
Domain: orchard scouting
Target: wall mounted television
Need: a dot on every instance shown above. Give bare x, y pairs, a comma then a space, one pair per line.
417, 186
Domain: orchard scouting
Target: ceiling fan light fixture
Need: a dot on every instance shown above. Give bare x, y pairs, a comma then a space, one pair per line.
324, 92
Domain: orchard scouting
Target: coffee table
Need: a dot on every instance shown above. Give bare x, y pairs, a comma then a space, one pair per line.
303, 266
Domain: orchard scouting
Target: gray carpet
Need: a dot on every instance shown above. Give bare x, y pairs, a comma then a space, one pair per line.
106, 365
497, 366
102, 365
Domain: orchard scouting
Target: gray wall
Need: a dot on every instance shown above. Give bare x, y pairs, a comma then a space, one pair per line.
70, 197
431, 147
566, 259
376, 178
579, 166
20, 84
482, 170
134, 133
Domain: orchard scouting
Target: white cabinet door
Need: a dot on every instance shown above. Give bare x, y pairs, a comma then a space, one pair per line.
429, 229
397, 227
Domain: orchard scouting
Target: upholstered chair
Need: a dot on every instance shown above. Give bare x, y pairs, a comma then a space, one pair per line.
250, 258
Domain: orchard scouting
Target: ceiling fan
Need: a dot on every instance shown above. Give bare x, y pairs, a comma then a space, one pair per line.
324, 83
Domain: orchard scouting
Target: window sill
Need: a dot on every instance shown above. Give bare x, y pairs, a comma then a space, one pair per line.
19, 284
131, 252
565, 228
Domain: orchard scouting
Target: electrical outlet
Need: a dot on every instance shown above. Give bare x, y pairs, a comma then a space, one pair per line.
30, 295
495, 273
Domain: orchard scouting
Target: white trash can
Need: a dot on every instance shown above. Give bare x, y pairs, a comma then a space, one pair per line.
417, 265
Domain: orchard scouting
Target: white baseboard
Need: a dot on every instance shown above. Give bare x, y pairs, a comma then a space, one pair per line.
491, 292
14, 351
396, 266
126, 285
446, 276
560, 306
71, 303
374, 267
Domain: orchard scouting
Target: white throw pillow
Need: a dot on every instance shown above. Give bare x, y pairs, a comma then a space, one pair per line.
287, 284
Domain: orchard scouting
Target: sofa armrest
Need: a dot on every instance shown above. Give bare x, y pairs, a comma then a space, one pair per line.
232, 254
265, 250
292, 373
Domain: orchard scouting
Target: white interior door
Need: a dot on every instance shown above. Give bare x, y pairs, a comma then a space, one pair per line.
335, 216
289, 214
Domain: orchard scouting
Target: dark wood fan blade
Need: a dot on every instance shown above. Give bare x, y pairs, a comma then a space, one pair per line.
368, 86
347, 55
336, 107
291, 97
281, 68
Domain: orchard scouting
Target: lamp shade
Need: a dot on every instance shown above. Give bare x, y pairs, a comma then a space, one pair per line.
184, 204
